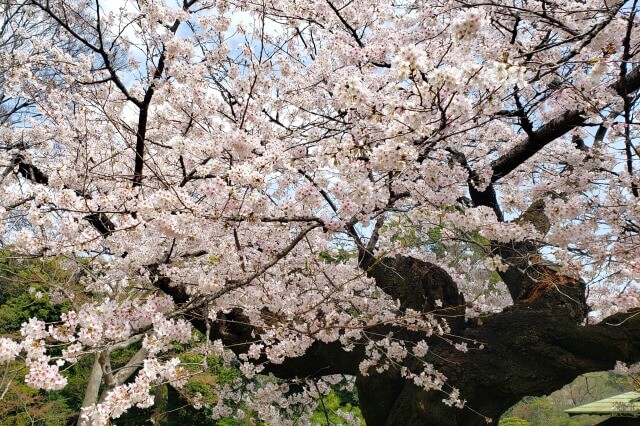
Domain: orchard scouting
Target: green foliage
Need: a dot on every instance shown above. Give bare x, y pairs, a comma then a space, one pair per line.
337, 256
23, 406
17, 304
77, 379
247, 420
407, 233
513, 421
347, 396
17, 274
20, 308
335, 401
550, 410
471, 245
539, 411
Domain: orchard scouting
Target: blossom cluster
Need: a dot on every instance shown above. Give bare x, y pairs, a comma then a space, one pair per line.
95, 327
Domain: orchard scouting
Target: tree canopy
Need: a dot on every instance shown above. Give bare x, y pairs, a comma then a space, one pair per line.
436, 198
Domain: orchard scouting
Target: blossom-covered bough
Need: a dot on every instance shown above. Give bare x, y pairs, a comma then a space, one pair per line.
328, 188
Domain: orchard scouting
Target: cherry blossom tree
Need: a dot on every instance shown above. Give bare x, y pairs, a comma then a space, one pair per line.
438, 198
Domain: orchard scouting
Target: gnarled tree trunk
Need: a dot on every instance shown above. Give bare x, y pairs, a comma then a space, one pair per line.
534, 347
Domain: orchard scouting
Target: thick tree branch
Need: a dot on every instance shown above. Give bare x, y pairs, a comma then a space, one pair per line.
527, 352
31, 172
144, 114
99, 220
522, 276
104, 359
538, 140
92, 391
136, 361
553, 130
616, 338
